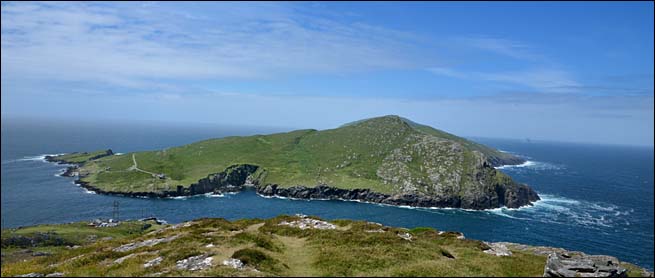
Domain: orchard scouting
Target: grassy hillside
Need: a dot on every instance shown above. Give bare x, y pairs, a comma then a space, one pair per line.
496, 157
78, 157
386, 154
272, 247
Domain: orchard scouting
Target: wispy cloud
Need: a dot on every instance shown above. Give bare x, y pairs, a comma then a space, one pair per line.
556, 81
539, 80
449, 72
501, 46
132, 46
539, 72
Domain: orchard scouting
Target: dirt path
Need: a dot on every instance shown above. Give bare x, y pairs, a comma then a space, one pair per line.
254, 228
134, 167
298, 256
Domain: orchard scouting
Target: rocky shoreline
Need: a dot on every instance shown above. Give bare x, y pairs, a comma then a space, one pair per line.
237, 177
324, 192
233, 179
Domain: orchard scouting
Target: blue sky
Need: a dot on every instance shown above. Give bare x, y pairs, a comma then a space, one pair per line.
580, 72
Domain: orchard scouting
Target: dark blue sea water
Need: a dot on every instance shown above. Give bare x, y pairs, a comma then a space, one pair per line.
596, 199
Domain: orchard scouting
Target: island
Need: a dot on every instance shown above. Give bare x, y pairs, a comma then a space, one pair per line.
387, 160
287, 245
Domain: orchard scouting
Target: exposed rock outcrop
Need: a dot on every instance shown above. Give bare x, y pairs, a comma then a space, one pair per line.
582, 265
194, 263
153, 262
498, 249
309, 223
148, 242
234, 263
230, 180
564, 263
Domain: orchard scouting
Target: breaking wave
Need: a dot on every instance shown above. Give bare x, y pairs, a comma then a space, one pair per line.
206, 195
40, 157
532, 165
554, 209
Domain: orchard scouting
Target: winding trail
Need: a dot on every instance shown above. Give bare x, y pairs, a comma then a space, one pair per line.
134, 167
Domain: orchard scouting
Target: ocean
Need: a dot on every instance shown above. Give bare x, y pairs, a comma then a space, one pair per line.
596, 198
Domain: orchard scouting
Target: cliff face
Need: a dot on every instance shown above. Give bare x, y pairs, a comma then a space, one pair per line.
438, 172
230, 180
512, 197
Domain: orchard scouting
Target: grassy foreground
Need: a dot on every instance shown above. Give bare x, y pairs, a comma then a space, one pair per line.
387, 154
352, 248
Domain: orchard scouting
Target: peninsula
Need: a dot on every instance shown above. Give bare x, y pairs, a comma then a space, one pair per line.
389, 160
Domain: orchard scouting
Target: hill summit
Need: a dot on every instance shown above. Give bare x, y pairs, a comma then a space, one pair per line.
389, 160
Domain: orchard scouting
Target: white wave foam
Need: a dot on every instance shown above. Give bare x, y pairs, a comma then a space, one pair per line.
524, 164
501, 212
205, 195
178, 197
119, 153
532, 165
386, 205
562, 210
212, 195
40, 157
87, 191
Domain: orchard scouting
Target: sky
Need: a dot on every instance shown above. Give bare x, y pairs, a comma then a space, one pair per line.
558, 71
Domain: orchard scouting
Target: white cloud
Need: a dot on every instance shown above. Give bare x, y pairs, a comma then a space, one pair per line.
541, 80
510, 48
554, 81
128, 45
447, 72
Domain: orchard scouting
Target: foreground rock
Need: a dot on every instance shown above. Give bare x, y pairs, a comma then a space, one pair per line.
149, 242
234, 263
33, 274
195, 263
498, 249
153, 262
581, 265
308, 223
563, 263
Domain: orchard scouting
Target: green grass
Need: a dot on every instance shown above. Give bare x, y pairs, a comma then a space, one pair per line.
269, 249
79, 157
348, 157
78, 233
